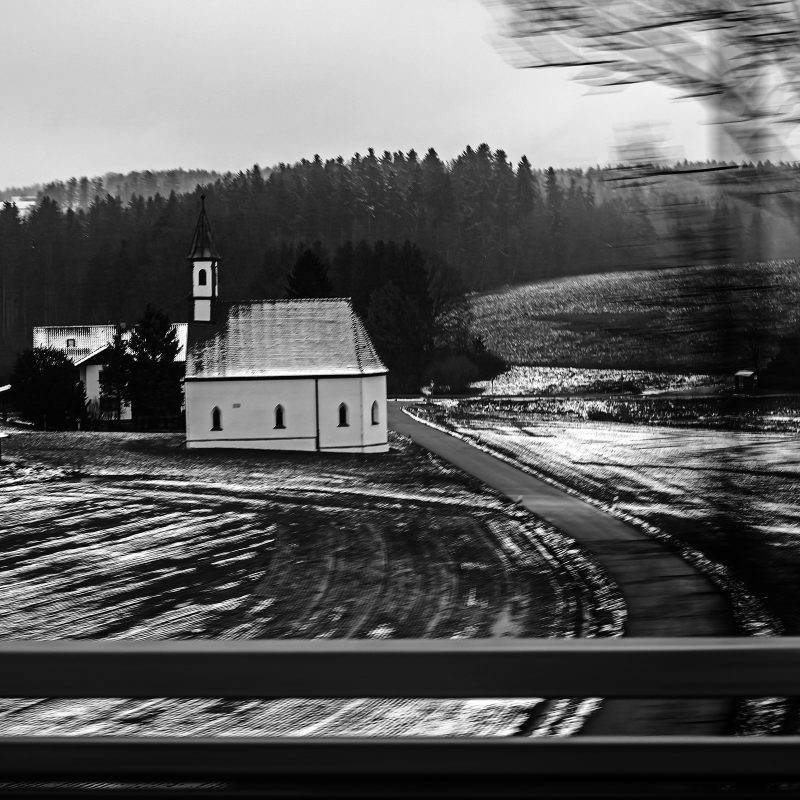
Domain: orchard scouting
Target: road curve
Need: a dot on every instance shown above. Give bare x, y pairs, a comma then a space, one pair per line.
664, 595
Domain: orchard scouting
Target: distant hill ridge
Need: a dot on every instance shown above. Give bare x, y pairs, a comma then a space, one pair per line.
79, 193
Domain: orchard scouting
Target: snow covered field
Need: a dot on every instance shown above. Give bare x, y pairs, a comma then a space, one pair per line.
573, 380
733, 495
132, 536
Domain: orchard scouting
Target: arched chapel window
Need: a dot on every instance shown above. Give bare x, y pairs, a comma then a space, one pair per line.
279, 423
343, 423
201, 278
216, 419
375, 418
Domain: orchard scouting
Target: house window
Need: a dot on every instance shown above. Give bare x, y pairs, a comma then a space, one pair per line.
343, 423
279, 417
375, 418
70, 343
216, 419
201, 278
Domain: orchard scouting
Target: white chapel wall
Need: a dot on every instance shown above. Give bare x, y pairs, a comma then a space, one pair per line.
247, 409
358, 393
247, 413
374, 388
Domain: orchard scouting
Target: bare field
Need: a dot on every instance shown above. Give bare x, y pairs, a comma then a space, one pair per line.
696, 409
691, 319
132, 536
732, 495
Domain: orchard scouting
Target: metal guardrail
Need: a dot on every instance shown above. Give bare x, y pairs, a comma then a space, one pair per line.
398, 766
667, 667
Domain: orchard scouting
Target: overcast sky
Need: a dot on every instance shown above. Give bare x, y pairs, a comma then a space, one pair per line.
92, 86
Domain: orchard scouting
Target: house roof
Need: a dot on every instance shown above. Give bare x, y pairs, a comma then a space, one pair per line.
97, 356
281, 338
88, 339
91, 340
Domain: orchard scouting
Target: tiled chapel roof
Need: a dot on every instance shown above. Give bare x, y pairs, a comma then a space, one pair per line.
275, 338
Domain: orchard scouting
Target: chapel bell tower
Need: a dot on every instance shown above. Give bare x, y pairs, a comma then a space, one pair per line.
205, 270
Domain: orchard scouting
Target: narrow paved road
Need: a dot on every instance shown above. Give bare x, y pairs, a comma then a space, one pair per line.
664, 595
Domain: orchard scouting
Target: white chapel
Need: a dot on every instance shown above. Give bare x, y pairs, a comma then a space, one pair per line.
278, 374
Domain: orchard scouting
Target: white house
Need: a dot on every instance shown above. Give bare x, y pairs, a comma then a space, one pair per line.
278, 374
86, 346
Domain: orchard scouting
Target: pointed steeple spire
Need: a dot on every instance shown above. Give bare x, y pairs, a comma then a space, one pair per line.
203, 241
205, 270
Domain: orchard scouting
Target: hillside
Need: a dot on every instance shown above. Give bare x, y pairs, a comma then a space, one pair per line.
100, 251
697, 319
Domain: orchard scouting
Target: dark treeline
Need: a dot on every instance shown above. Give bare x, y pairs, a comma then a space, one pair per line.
490, 222
79, 193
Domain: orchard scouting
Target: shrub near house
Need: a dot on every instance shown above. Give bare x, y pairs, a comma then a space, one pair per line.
45, 388
783, 372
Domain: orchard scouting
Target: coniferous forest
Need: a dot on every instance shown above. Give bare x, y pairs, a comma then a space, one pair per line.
397, 231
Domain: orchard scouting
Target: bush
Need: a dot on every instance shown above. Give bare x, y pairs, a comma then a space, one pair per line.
44, 386
784, 370
599, 415
452, 374
630, 386
488, 363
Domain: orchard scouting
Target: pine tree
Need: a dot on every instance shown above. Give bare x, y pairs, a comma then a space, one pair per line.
343, 262
365, 277
526, 190
308, 278
115, 376
528, 224
154, 385
394, 326
555, 220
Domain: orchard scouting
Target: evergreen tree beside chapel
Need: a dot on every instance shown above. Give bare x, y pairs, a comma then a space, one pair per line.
115, 377
308, 278
154, 385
